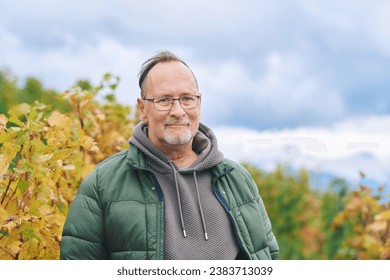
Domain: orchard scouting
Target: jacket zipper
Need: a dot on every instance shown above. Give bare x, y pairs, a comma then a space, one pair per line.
160, 199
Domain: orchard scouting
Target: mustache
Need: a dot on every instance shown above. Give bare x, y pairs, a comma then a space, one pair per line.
180, 121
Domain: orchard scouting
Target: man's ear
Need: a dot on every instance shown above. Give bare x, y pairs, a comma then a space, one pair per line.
141, 106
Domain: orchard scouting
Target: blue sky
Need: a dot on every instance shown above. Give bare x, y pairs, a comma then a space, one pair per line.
306, 68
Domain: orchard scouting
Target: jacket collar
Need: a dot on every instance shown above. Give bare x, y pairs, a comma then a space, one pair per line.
135, 158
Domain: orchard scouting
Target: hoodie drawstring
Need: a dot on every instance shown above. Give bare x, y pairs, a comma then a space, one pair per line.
178, 199
200, 207
179, 202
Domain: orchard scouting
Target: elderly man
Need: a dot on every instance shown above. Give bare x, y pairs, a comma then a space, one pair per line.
172, 194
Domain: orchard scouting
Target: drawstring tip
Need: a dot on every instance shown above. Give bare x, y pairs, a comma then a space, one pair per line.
184, 233
205, 236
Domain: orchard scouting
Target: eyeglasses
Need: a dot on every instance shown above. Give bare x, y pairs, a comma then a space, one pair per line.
187, 102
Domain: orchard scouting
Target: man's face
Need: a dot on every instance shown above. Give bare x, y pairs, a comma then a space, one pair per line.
176, 126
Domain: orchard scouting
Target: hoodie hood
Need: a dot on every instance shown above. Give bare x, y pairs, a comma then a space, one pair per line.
204, 144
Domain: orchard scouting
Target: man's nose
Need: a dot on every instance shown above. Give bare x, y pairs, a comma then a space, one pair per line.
176, 108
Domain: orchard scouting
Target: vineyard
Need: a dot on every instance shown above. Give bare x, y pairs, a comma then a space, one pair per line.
49, 142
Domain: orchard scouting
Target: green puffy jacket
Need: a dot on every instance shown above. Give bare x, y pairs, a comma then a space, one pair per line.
118, 212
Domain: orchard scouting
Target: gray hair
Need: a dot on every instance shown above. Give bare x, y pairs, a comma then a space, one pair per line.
162, 57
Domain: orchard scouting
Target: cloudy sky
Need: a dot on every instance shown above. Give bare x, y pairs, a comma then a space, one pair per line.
304, 82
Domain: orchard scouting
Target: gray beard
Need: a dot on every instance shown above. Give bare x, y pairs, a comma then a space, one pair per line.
178, 139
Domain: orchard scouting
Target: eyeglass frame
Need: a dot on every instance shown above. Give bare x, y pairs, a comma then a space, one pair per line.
173, 101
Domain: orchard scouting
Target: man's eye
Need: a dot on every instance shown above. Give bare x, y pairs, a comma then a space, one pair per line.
187, 98
163, 100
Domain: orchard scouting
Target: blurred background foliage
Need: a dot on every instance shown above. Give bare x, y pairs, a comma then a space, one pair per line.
340, 222
12, 93
50, 141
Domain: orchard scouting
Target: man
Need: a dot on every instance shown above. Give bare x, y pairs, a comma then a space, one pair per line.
171, 195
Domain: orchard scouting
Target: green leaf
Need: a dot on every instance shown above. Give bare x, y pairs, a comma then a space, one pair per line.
29, 233
22, 185
4, 233
107, 76
110, 98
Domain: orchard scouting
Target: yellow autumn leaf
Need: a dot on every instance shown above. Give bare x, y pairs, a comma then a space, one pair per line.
3, 166
94, 148
10, 226
53, 142
43, 158
60, 135
354, 204
45, 189
9, 150
100, 115
377, 227
15, 120
385, 215
5, 137
87, 142
356, 242
68, 167
14, 129
59, 120
3, 122
26, 217
45, 210
60, 221
34, 207
19, 110
29, 249
14, 247
48, 240
3, 216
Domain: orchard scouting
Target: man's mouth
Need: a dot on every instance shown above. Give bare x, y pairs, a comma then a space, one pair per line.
178, 124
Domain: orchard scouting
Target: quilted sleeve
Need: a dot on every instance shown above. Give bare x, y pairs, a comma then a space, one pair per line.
83, 232
272, 242
271, 239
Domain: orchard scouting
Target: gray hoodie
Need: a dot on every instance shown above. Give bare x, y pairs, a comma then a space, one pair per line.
196, 224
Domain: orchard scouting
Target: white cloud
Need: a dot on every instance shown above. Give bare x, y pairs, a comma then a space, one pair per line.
181, 19
200, 18
344, 149
59, 68
289, 88
7, 40
359, 25
380, 27
291, 80
249, 23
